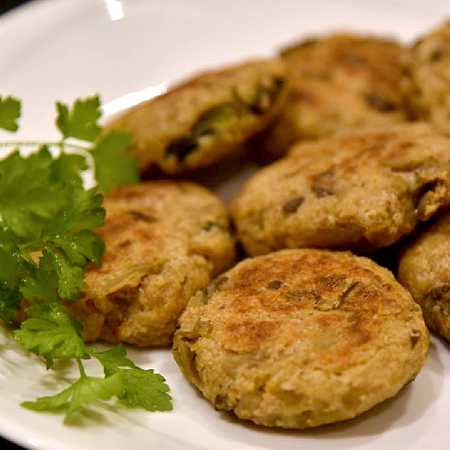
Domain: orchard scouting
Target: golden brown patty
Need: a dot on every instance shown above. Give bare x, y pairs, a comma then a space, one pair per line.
424, 269
164, 241
429, 72
336, 82
205, 118
359, 191
301, 338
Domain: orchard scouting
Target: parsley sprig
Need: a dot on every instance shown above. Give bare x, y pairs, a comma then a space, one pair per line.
80, 132
47, 238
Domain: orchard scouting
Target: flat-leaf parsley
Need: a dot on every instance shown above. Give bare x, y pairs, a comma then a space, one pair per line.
47, 237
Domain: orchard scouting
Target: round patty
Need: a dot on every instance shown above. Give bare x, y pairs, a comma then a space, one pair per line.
355, 191
336, 82
164, 241
424, 269
205, 118
429, 72
301, 338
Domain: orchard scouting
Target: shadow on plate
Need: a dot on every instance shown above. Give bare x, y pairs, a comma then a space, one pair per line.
225, 177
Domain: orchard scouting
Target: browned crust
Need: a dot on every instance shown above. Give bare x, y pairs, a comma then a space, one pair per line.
299, 338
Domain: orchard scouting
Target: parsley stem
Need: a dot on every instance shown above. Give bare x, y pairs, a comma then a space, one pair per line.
81, 368
38, 143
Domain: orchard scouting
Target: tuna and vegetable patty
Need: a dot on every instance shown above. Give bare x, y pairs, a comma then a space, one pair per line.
424, 269
206, 118
337, 82
356, 191
429, 74
164, 241
301, 338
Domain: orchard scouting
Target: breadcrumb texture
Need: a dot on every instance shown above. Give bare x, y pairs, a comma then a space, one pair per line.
429, 73
355, 191
337, 82
301, 338
164, 241
206, 118
424, 269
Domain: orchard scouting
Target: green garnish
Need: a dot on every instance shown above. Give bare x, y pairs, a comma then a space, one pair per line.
47, 223
80, 134
9, 113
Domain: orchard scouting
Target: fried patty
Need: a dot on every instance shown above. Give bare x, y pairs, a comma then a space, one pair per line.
337, 82
355, 191
429, 72
205, 118
164, 241
424, 269
301, 338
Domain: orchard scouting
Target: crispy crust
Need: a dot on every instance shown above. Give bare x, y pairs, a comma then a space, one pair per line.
337, 82
300, 338
424, 269
164, 241
429, 75
360, 191
239, 101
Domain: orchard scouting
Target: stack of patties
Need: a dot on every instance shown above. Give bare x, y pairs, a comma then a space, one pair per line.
303, 332
165, 240
304, 337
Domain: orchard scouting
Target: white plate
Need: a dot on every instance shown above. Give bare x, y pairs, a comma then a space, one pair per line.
63, 49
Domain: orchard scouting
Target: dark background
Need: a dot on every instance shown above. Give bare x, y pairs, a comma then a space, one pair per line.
6, 5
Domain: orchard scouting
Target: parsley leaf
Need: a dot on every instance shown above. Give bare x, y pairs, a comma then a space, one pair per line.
13, 268
141, 388
9, 113
41, 282
82, 211
123, 380
51, 333
145, 389
68, 167
9, 273
75, 398
47, 223
81, 121
69, 276
54, 216
25, 206
113, 359
81, 246
113, 164
9, 302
